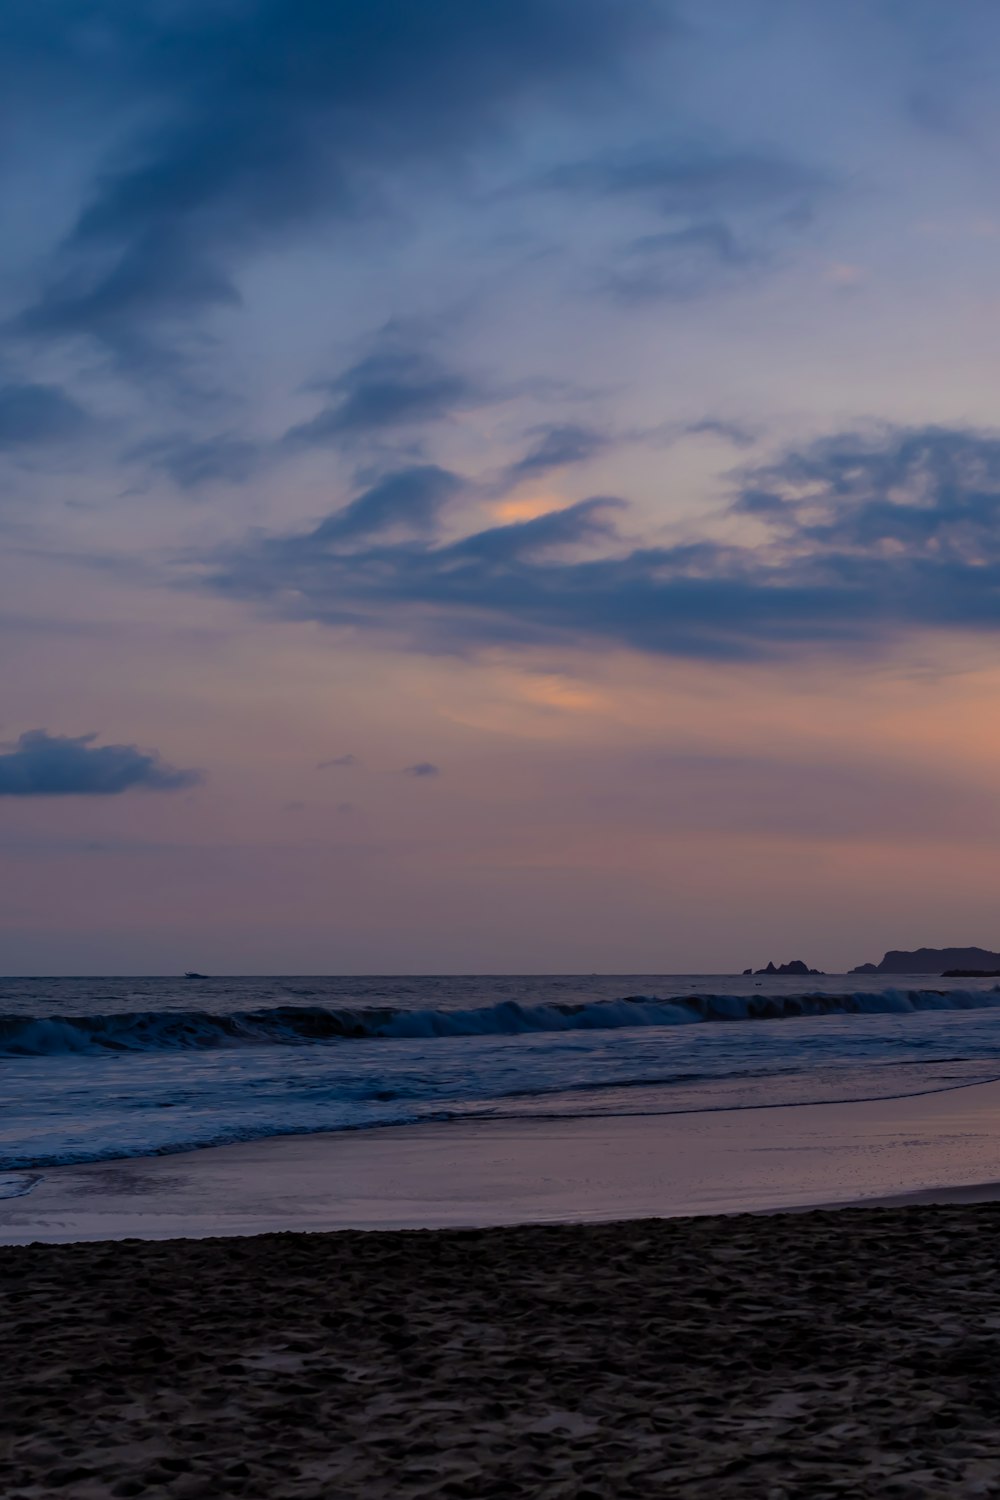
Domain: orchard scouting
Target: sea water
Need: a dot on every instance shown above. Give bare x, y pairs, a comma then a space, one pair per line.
98, 1069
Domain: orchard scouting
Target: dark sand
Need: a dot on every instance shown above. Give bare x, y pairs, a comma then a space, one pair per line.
847, 1353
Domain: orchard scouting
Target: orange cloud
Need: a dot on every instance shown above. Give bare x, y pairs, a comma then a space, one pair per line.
529, 507
560, 693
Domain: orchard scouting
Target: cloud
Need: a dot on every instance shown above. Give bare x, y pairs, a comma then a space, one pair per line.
421, 769
36, 414
928, 495
863, 538
338, 760
556, 447
40, 764
152, 279
724, 209
730, 432
693, 180
192, 462
392, 388
241, 125
682, 262
408, 499
403, 505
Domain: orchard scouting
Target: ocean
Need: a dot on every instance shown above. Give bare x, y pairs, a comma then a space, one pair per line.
104, 1069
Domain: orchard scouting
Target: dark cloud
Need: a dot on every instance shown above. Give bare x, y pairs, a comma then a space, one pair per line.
501, 546
863, 538
724, 212
89, 55
37, 414
422, 768
338, 760
408, 500
389, 389
40, 764
924, 495
192, 462
243, 124
152, 280
555, 447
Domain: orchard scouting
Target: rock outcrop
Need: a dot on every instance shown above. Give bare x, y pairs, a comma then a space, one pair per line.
932, 961
796, 966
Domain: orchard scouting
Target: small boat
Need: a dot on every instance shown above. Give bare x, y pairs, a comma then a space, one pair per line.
193, 974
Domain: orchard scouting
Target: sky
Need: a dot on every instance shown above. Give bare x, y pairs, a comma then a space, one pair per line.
498, 487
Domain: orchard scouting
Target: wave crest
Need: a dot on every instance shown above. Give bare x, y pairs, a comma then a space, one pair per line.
174, 1030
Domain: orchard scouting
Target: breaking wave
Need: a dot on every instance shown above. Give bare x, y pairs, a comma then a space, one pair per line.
173, 1030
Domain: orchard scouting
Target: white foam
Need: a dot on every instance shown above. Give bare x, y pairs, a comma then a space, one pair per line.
175, 1030
17, 1184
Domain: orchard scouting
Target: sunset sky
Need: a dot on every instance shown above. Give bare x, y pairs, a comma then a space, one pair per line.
498, 486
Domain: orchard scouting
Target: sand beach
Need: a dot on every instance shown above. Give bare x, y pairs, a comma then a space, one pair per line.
671, 1349
848, 1353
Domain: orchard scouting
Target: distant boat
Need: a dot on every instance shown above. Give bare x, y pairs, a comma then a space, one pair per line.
193, 974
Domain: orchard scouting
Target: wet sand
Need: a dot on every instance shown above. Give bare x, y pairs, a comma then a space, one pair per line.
854, 1353
528, 1171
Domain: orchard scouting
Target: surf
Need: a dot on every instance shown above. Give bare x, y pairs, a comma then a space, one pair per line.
293, 1025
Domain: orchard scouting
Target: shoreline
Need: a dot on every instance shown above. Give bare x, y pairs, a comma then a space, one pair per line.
928, 1148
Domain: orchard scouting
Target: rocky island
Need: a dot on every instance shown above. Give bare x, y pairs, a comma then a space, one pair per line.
796, 966
963, 961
